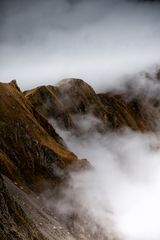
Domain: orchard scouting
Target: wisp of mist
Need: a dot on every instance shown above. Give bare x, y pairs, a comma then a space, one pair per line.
125, 183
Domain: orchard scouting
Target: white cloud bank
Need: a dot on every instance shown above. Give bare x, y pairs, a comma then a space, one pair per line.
98, 41
125, 182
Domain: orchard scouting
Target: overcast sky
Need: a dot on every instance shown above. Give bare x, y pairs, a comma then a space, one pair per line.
99, 41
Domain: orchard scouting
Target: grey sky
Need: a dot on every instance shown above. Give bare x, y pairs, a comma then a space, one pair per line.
99, 41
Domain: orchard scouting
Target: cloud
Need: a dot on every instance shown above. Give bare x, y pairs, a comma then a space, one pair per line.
123, 188
98, 41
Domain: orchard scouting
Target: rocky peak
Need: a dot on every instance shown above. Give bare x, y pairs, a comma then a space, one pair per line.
76, 102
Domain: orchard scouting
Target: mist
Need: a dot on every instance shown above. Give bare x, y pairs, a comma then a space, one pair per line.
43, 42
121, 193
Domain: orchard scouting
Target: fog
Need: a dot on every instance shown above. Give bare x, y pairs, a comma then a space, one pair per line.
42, 42
123, 189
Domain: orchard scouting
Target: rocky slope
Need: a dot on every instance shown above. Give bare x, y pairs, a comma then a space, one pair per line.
14, 222
28, 143
34, 158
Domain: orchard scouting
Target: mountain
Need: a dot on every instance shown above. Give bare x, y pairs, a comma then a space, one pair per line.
76, 98
34, 159
72, 97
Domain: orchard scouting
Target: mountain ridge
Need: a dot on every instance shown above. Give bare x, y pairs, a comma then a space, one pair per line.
34, 158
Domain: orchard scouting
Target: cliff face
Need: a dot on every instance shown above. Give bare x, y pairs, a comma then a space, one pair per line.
34, 158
